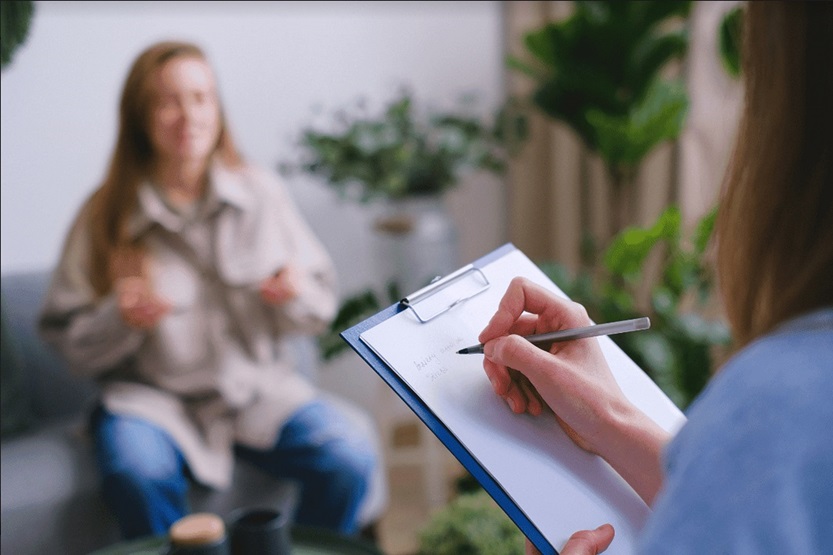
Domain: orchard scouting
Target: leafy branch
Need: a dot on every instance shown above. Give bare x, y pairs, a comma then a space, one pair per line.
678, 350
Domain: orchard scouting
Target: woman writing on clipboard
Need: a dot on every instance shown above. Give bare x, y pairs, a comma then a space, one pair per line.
752, 469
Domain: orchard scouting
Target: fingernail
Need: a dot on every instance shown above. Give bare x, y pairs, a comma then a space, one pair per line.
511, 403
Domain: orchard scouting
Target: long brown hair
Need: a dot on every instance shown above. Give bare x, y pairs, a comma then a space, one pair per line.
775, 222
115, 200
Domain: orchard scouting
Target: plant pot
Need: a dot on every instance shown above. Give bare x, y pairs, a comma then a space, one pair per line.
418, 241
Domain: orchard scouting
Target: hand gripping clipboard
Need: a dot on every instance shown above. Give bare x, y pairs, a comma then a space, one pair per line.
457, 297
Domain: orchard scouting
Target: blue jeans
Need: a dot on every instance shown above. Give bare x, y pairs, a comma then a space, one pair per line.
145, 476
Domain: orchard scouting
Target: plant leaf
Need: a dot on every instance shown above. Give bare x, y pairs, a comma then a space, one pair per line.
628, 250
729, 40
626, 140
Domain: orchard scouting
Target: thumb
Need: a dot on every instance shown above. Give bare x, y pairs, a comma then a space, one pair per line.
589, 542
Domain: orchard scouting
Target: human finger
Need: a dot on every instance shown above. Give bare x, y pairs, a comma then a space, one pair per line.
525, 296
534, 402
515, 352
281, 287
498, 375
589, 542
515, 395
508, 382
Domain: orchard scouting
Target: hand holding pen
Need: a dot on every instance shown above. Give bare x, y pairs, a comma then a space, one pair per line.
572, 378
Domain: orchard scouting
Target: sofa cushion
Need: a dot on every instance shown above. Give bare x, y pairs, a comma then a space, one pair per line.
50, 487
50, 502
15, 403
52, 391
54, 463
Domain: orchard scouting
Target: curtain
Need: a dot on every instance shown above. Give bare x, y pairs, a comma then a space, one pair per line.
558, 191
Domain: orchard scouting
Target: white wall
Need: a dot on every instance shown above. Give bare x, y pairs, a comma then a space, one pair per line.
275, 61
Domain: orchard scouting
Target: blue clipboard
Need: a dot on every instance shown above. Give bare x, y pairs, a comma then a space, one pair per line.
437, 427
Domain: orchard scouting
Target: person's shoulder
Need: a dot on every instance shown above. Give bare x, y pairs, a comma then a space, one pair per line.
774, 386
254, 181
797, 354
753, 450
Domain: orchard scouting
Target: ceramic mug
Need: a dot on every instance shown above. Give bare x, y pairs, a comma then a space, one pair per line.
259, 530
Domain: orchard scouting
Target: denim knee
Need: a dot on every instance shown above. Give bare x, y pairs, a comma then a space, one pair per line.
143, 474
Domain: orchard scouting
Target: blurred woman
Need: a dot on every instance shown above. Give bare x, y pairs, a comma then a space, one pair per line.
178, 281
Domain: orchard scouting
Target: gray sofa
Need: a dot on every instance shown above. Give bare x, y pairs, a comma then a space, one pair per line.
50, 499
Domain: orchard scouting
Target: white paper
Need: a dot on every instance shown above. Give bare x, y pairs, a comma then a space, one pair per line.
559, 487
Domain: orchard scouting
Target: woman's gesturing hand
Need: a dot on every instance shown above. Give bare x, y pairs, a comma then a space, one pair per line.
139, 306
282, 287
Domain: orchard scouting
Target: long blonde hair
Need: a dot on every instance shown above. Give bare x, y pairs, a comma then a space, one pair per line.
115, 200
775, 221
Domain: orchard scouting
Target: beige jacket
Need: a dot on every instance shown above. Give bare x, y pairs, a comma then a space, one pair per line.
214, 371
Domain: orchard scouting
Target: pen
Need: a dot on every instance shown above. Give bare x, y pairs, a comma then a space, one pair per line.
544, 340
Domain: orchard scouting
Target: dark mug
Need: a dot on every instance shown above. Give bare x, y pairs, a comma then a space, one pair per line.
198, 534
260, 531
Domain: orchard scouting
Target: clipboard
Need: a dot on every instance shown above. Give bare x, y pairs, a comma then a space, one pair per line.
454, 291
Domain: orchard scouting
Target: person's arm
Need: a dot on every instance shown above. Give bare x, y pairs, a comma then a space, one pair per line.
573, 380
89, 332
303, 291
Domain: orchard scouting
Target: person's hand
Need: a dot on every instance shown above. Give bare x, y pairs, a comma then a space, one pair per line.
281, 287
572, 378
583, 542
139, 306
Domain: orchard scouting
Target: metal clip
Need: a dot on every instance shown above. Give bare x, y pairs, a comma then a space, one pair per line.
438, 284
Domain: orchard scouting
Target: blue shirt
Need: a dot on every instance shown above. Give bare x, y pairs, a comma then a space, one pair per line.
751, 472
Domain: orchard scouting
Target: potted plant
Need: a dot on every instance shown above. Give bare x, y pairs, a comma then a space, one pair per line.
401, 152
601, 71
405, 157
472, 524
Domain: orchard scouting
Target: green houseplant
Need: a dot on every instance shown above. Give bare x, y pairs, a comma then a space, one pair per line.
472, 524
679, 349
729, 40
600, 71
15, 20
402, 151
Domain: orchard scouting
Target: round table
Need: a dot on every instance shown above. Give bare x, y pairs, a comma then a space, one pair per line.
305, 541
